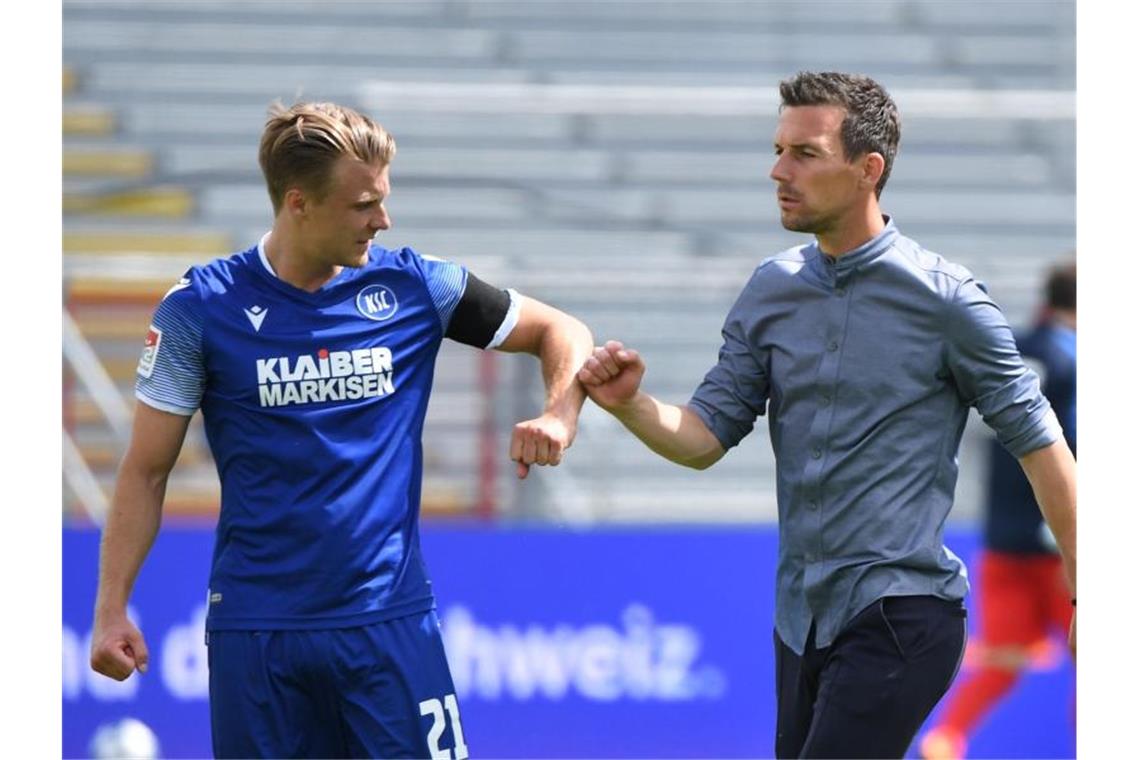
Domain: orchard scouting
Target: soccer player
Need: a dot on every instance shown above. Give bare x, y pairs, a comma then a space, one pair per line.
865, 351
1021, 585
311, 356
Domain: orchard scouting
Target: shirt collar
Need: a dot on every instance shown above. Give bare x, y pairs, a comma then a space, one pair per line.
261, 255
869, 251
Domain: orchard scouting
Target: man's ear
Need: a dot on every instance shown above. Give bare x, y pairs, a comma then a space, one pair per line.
873, 166
296, 203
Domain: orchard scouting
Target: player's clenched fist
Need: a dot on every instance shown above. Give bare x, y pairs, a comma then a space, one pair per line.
539, 441
612, 376
117, 648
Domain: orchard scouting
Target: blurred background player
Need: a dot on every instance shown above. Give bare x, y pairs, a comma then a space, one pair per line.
311, 355
1021, 587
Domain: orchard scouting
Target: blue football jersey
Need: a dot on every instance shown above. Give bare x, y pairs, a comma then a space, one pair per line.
1013, 521
313, 406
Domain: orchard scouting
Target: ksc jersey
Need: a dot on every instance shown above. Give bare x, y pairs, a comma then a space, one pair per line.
314, 406
1013, 520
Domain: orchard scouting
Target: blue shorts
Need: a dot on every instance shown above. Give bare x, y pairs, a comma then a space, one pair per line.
381, 690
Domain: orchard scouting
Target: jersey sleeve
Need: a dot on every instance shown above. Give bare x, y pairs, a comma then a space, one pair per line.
445, 282
171, 373
471, 311
991, 376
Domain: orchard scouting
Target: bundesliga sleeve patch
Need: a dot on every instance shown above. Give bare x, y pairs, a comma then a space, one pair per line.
150, 351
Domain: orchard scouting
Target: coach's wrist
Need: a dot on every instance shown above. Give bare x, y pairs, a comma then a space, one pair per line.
631, 410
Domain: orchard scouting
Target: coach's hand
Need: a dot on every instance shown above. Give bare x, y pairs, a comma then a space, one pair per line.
540, 441
117, 647
612, 376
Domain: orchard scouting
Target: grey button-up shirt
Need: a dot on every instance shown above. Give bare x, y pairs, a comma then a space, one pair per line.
866, 365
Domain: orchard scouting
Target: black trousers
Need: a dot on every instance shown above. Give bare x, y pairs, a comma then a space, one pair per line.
867, 694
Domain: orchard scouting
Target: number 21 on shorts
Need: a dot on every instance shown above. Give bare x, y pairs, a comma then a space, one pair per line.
435, 709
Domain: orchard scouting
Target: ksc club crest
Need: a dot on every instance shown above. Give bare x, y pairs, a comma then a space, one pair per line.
376, 302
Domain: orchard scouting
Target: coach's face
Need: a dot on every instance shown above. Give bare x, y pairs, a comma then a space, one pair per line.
340, 226
816, 185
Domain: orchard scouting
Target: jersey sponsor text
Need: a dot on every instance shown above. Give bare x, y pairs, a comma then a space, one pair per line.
325, 376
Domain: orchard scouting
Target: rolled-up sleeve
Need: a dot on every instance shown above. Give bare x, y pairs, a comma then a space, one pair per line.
990, 375
735, 391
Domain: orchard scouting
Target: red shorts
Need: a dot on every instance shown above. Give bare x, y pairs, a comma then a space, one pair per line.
1022, 597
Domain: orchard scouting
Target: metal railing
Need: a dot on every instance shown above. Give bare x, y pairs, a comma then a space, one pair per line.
99, 385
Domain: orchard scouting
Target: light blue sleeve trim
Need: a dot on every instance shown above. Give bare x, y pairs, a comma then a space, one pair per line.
445, 281
176, 374
163, 407
509, 321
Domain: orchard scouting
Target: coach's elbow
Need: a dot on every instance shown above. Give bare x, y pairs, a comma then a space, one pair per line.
703, 460
700, 448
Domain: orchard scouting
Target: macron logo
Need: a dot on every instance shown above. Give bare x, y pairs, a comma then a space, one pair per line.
256, 316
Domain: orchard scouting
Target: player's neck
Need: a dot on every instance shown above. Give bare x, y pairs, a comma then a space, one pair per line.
857, 228
293, 264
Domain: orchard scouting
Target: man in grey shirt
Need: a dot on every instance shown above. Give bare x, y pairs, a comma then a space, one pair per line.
866, 351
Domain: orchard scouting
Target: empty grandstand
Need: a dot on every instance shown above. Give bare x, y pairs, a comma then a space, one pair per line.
610, 158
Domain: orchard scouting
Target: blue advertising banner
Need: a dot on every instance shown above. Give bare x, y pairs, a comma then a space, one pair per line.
618, 642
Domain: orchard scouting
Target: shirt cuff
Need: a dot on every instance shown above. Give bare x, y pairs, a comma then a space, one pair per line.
162, 406
1046, 432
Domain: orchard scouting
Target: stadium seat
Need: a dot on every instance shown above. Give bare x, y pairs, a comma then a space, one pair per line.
78, 240
118, 161
88, 120
309, 40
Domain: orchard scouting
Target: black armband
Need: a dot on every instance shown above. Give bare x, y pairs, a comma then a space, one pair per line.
479, 313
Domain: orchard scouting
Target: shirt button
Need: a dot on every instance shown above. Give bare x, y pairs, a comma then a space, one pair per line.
809, 557
816, 453
832, 346
812, 505
841, 292
826, 399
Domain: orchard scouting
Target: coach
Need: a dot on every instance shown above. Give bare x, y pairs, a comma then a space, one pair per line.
866, 352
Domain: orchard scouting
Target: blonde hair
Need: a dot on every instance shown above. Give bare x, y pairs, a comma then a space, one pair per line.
301, 144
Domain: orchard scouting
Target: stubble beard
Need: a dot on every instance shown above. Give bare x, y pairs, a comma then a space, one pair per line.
792, 223
812, 224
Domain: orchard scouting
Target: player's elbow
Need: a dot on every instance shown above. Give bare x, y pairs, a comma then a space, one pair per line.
573, 330
548, 332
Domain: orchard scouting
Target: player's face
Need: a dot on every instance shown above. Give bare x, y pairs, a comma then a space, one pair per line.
342, 224
816, 186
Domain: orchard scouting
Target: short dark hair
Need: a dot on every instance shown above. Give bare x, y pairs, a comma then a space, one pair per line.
872, 123
1061, 287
